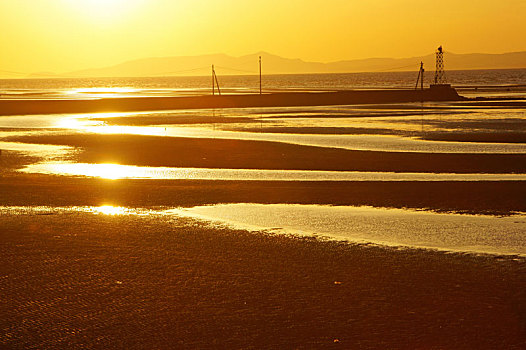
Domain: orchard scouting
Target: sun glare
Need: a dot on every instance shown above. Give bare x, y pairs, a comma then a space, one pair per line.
110, 210
105, 171
103, 9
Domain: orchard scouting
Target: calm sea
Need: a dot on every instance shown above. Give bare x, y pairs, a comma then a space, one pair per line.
478, 82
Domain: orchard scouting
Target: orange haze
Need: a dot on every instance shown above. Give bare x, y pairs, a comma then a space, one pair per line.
66, 35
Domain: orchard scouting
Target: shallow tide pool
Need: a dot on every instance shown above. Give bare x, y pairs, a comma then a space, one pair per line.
391, 227
400, 228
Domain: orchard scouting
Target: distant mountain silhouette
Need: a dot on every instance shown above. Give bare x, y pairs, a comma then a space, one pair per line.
272, 64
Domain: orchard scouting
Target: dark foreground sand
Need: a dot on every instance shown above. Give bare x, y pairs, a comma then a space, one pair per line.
242, 154
76, 280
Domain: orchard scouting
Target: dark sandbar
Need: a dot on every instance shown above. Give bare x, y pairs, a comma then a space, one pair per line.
243, 154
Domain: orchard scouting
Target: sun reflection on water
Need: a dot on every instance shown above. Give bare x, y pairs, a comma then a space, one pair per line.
101, 92
102, 128
94, 123
83, 121
110, 210
113, 171
105, 171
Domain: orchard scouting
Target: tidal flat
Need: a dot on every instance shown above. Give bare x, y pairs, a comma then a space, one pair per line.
110, 258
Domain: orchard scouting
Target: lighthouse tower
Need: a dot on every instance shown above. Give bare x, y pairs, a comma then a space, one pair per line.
440, 74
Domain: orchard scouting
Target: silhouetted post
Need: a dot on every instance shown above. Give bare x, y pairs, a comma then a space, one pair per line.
213, 81
260, 92
422, 80
420, 77
214, 77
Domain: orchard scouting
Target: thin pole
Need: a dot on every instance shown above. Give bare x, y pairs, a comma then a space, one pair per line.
260, 92
420, 77
217, 82
422, 81
213, 81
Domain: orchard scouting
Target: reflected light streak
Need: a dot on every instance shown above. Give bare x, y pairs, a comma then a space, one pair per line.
105, 171
101, 92
110, 210
117, 171
127, 130
83, 122
46, 151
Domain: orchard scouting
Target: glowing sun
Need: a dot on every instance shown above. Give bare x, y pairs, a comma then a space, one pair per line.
104, 9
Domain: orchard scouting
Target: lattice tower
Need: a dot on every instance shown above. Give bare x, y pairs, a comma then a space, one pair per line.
440, 74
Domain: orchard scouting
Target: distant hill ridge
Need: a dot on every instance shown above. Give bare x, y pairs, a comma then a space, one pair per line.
272, 64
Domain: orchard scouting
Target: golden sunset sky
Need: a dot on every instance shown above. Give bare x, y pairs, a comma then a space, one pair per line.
66, 35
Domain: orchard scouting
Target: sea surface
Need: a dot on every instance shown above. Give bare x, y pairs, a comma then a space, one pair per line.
502, 82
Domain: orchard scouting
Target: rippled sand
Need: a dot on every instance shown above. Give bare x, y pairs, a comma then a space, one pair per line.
74, 279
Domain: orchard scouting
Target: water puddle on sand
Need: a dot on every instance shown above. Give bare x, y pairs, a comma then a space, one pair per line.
391, 227
363, 225
94, 123
383, 143
116, 171
45, 151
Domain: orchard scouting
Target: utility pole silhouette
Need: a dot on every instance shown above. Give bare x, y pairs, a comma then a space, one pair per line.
421, 80
420, 77
215, 82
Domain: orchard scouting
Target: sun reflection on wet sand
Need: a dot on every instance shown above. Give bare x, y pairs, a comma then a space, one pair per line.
117, 171
110, 210
85, 123
125, 130
105, 171
101, 92
45, 210
47, 151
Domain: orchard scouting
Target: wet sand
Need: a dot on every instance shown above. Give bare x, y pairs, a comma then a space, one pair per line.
243, 154
492, 137
480, 197
468, 129
71, 279
83, 280
173, 120
258, 115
